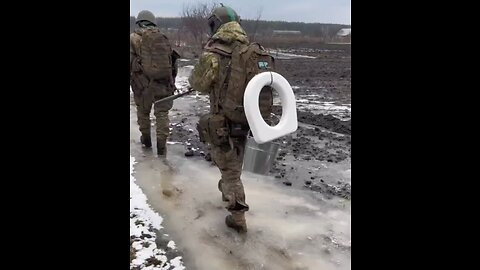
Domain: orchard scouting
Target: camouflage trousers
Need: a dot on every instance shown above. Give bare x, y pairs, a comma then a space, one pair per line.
144, 99
229, 160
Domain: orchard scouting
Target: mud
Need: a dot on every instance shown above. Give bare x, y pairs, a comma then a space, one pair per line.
327, 75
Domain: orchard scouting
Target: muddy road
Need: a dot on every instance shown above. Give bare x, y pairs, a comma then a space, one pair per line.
288, 228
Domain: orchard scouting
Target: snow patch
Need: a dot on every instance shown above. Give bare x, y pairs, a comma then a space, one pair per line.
144, 223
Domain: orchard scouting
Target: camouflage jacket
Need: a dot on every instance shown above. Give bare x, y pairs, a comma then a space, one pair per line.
206, 72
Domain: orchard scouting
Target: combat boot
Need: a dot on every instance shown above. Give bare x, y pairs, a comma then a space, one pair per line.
161, 147
146, 140
237, 222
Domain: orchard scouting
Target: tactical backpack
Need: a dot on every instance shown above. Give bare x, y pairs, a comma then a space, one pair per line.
155, 54
245, 62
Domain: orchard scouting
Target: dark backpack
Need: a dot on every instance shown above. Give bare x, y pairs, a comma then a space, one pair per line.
155, 54
244, 63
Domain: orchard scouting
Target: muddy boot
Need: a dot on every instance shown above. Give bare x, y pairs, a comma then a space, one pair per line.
161, 148
146, 140
220, 188
237, 222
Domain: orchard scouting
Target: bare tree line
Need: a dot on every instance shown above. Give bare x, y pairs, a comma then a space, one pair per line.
192, 26
264, 27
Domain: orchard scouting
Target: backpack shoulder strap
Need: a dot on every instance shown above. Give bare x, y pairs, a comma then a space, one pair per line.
226, 65
216, 46
225, 53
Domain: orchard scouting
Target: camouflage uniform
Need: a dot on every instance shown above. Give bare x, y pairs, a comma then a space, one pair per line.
146, 92
228, 157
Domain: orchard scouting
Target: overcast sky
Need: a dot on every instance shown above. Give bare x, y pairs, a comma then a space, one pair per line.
322, 11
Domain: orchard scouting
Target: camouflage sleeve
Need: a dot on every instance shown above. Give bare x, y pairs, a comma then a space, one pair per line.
134, 39
132, 54
205, 73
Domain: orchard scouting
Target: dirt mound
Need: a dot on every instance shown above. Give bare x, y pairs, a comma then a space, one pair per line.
327, 121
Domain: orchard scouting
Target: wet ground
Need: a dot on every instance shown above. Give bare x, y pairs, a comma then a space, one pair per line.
321, 81
300, 214
288, 228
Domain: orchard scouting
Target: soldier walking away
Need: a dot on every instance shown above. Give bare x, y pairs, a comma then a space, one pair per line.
152, 77
223, 71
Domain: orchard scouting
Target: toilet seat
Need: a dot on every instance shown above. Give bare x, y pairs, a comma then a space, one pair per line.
262, 132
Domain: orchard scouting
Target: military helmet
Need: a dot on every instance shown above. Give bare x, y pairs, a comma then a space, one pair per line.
146, 15
220, 16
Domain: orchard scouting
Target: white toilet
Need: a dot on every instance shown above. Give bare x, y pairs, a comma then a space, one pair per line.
262, 132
